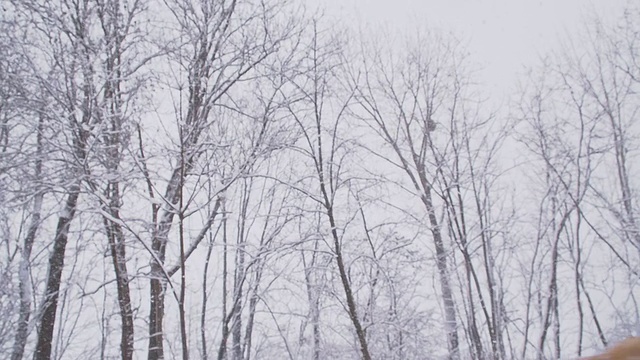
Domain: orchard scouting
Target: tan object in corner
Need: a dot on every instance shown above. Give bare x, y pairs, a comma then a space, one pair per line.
628, 349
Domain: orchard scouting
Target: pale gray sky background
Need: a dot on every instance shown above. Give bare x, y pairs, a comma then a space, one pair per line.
503, 36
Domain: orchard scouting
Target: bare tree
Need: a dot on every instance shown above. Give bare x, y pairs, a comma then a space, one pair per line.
403, 100
220, 45
577, 112
73, 89
564, 185
320, 115
118, 23
468, 182
18, 109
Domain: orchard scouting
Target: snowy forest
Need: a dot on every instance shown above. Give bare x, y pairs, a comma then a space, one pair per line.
250, 179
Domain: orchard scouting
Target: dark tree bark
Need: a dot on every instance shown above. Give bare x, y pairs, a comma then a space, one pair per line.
117, 247
56, 264
115, 22
215, 66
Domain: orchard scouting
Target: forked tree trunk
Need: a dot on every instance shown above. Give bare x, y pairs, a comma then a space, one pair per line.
158, 281
78, 100
112, 20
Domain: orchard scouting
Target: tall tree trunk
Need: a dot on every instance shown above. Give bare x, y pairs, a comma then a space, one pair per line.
351, 303
222, 350
239, 273
205, 298
457, 223
22, 332
158, 281
56, 264
80, 100
25, 285
156, 316
117, 247
114, 142
313, 296
451, 322
183, 280
344, 278
551, 309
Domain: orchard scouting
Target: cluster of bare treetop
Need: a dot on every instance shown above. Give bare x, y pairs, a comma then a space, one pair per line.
243, 179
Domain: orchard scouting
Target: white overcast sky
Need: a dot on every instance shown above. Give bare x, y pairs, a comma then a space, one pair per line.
503, 36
